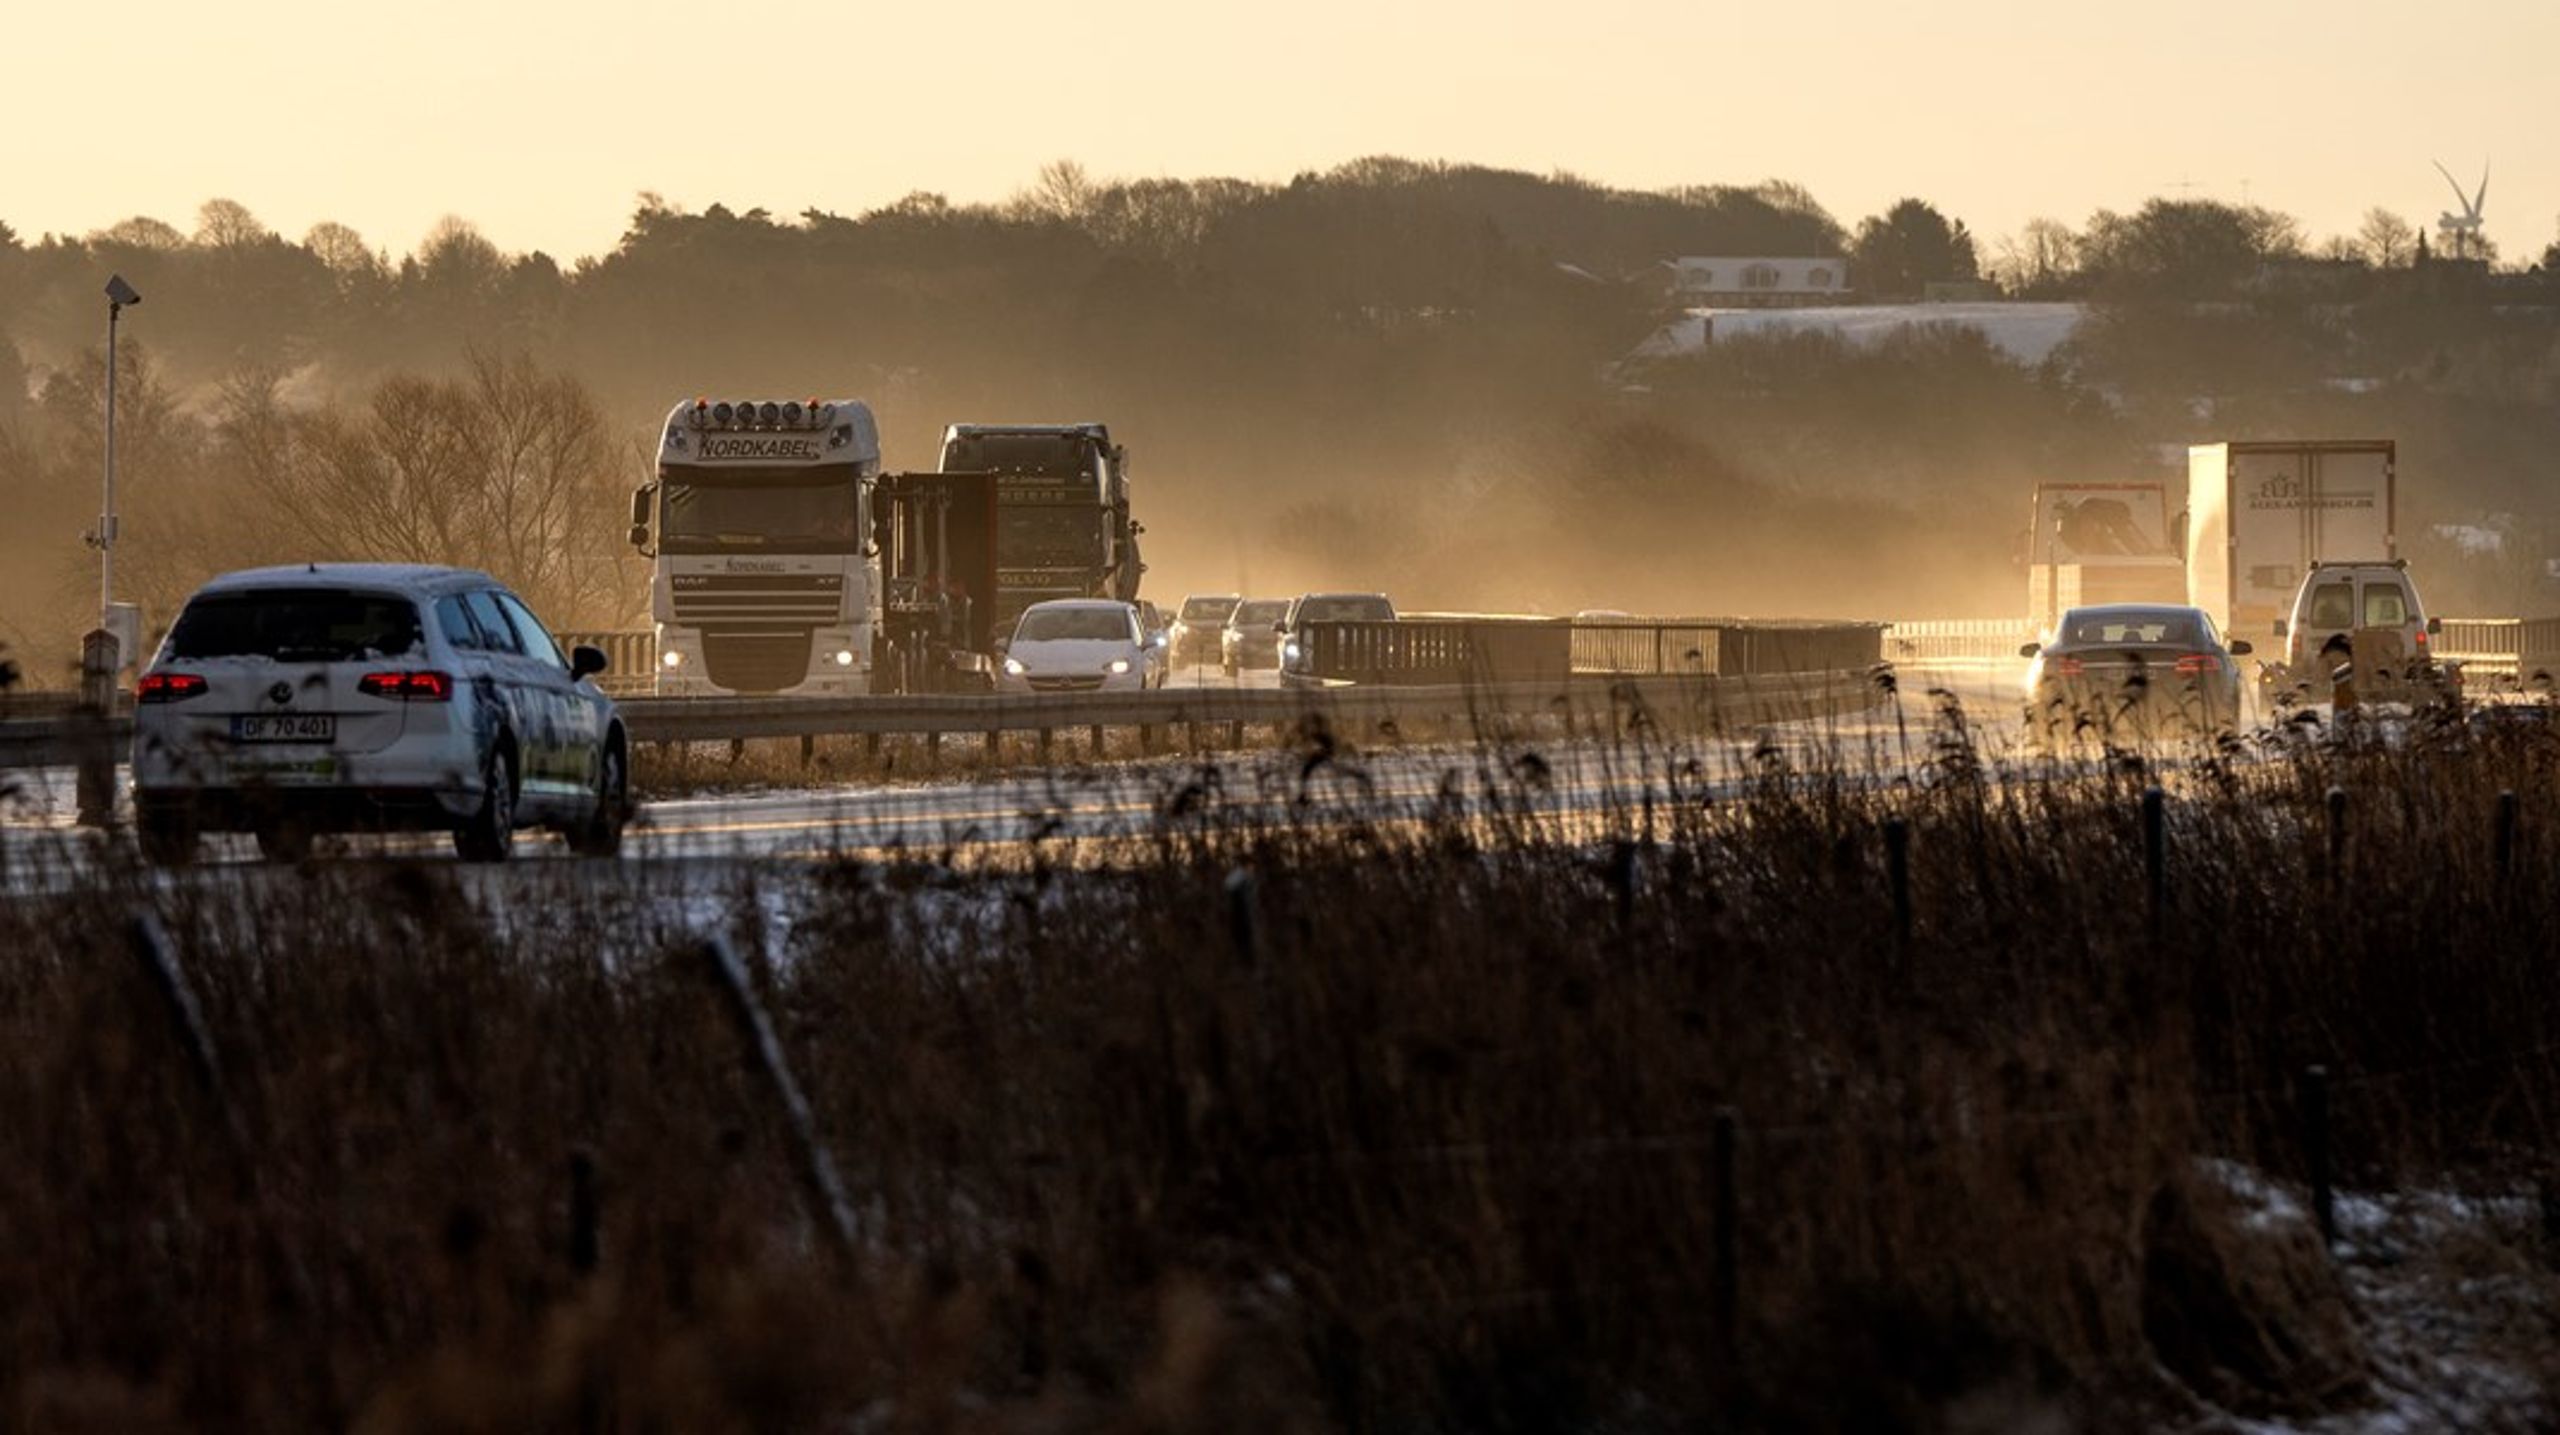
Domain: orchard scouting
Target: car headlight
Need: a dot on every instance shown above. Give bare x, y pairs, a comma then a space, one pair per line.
1119, 665
671, 658
1014, 667
844, 657
1289, 650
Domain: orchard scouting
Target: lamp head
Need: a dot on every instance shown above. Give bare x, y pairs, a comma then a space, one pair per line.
121, 294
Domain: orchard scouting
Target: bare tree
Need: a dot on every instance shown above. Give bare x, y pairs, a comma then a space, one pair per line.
509, 469
343, 252
228, 224
2043, 253
1063, 191
2388, 241
141, 232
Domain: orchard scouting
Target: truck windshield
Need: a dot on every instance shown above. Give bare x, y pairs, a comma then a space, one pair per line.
1049, 536
795, 513
1059, 455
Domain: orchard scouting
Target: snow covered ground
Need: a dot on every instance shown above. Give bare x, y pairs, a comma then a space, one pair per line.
2445, 1293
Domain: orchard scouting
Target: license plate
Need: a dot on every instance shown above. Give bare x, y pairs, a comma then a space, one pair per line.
284, 727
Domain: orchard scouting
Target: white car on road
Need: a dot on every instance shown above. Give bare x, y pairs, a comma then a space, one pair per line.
1080, 645
332, 697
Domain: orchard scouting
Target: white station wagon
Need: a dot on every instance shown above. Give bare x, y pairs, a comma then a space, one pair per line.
335, 697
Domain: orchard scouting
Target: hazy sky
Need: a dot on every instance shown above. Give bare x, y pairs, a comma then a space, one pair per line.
541, 120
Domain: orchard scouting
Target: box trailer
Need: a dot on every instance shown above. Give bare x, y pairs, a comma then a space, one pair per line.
2100, 543
2259, 515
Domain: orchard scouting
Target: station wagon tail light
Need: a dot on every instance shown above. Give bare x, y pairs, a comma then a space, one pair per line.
418, 687
168, 688
2422, 635
2068, 667
2196, 665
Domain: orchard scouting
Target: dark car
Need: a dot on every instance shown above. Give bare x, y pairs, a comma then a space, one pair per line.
2132, 672
1250, 641
1196, 626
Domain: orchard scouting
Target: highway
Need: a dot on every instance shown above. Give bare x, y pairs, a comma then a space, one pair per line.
1086, 808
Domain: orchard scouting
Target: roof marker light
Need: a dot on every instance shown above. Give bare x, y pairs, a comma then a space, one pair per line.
771, 413
720, 415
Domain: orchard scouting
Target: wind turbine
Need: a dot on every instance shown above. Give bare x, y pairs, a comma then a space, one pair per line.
2463, 229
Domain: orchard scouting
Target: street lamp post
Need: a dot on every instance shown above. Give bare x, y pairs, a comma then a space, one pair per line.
119, 294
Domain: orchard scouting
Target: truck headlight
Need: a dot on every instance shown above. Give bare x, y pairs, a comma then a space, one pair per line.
844, 657
1289, 650
1119, 665
671, 659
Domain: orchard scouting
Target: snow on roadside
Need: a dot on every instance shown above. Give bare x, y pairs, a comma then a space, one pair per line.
2445, 1293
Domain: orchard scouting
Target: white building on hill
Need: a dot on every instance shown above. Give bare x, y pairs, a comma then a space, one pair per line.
1757, 283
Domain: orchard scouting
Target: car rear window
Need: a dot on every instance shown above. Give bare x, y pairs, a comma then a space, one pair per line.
1263, 611
2140, 628
1196, 610
2333, 605
313, 625
2384, 606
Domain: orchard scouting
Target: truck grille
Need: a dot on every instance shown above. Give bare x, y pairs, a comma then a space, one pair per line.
756, 662
757, 602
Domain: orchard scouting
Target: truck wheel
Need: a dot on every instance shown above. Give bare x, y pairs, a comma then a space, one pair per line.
489, 834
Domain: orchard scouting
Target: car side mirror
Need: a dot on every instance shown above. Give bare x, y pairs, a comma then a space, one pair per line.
2280, 627
1279, 627
639, 535
2240, 648
2434, 626
1003, 646
2030, 650
640, 505
586, 662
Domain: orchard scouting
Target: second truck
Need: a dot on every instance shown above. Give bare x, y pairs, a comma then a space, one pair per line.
1012, 515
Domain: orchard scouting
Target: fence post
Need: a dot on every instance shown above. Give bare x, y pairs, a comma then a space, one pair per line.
2505, 843
823, 1191
1725, 1292
1244, 915
2315, 1151
1622, 881
96, 781
1093, 741
1897, 871
586, 1245
2155, 854
2337, 803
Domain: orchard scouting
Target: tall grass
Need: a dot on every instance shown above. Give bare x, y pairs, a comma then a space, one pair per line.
1309, 1120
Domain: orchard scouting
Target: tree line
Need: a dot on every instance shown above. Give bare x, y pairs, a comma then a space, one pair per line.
1290, 362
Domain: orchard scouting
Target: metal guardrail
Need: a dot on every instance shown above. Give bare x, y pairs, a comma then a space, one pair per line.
2524, 648
1941, 638
1693, 700
1436, 650
631, 656
1740, 700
